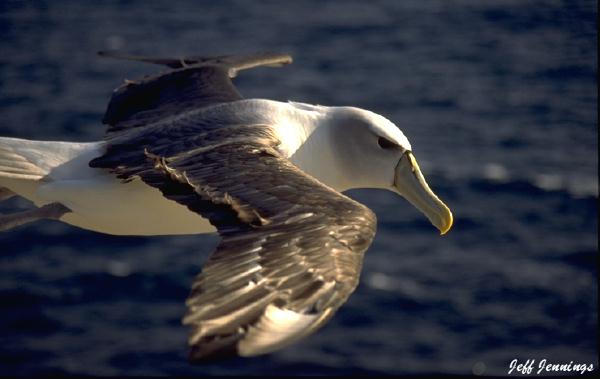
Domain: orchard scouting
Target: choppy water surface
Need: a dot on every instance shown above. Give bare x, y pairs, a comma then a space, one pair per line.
498, 99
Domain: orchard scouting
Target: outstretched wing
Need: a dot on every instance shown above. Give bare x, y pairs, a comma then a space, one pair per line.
192, 83
291, 248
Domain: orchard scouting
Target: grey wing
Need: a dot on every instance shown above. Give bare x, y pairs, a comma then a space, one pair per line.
193, 82
291, 249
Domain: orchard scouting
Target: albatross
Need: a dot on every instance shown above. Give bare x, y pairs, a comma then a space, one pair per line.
185, 153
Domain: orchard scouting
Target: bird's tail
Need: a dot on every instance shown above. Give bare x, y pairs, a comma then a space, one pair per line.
23, 159
25, 164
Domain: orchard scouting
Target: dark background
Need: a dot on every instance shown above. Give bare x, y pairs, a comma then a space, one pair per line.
499, 100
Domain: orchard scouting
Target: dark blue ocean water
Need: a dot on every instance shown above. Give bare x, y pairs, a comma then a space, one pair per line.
499, 100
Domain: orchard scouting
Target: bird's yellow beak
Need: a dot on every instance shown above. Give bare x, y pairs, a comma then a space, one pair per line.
410, 183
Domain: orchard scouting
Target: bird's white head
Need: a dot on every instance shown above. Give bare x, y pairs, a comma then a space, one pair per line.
369, 151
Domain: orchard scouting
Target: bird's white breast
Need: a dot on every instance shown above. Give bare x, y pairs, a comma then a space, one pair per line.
107, 205
101, 202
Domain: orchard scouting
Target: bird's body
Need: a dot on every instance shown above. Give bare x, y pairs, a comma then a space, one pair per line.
186, 154
101, 202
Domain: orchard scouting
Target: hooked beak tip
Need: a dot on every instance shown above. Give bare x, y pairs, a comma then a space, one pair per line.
447, 224
410, 183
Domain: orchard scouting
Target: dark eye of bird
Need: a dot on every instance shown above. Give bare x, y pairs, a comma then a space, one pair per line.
385, 143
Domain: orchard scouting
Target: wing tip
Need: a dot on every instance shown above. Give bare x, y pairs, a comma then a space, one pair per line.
237, 62
276, 328
214, 348
116, 54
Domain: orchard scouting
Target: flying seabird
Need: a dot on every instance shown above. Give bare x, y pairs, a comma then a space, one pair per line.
185, 153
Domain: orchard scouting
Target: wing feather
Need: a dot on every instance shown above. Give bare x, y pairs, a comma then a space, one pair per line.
291, 248
193, 82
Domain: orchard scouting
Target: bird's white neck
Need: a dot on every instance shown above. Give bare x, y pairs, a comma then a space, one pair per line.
310, 145
306, 136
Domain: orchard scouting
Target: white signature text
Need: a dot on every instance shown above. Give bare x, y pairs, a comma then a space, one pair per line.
543, 366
